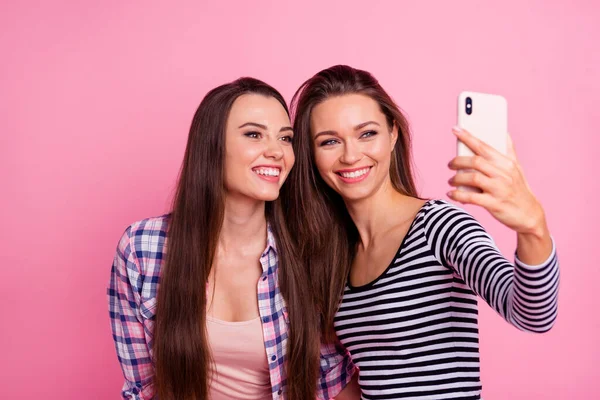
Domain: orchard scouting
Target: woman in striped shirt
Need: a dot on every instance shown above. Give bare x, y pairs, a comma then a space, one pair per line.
396, 277
211, 301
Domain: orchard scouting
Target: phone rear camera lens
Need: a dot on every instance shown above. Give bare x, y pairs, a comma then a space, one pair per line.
469, 105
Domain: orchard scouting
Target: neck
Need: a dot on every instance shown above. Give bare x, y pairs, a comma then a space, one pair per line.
244, 224
377, 214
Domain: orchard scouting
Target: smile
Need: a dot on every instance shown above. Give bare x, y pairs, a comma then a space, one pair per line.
270, 174
353, 176
267, 171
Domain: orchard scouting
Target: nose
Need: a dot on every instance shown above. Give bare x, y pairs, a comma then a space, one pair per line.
350, 155
273, 149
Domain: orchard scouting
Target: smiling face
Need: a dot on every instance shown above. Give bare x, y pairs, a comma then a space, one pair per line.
352, 145
258, 147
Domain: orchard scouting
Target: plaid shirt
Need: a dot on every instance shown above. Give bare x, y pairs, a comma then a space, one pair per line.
132, 305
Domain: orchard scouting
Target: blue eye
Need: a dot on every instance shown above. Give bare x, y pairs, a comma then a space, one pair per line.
368, 134
328, 142
252, 135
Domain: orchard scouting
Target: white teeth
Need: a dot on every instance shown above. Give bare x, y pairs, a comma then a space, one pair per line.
267, 171
354, 174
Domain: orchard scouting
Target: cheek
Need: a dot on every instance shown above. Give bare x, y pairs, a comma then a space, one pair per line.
237, 161
240, 155
289, 157
324, 160
233, 167
380, 151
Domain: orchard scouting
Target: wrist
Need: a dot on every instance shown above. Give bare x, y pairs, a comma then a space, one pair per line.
535, 227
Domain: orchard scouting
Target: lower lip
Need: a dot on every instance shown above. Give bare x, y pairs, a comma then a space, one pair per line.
356, 179
268, 178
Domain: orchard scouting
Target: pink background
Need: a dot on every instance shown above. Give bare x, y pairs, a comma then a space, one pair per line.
96, 100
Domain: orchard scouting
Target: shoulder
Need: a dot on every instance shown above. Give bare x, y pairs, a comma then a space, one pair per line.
442, 220
153, 228
144, 239
438, 205
440, 211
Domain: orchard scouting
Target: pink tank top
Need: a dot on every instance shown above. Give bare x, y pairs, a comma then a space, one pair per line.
241, 369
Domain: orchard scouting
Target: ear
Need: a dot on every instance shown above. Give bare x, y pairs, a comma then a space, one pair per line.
394, 135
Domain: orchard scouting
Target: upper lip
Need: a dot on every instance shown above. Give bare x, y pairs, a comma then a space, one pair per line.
352, 169
268, 166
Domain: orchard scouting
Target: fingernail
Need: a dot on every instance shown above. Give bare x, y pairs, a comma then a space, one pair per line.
449, 194
456, 129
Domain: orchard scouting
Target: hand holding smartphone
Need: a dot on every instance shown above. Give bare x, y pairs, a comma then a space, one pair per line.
485, 116
489, 174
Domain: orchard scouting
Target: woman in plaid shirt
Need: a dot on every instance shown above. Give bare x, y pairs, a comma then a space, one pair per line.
229, 274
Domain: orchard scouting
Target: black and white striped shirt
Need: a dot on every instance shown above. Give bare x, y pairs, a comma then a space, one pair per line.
413, 331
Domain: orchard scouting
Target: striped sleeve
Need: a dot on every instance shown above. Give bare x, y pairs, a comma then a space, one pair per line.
524, 295
128, 331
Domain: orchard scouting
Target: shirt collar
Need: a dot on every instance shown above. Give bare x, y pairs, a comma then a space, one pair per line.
271, 243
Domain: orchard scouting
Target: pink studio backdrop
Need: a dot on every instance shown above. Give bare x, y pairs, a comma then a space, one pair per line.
96, 100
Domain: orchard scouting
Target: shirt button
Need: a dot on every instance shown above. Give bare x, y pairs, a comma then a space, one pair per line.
266, 319
264, 278
273, 358
280, 391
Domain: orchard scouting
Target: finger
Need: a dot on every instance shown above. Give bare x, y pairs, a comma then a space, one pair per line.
477, 146
476, 163
501, 161
480, 199
473, 179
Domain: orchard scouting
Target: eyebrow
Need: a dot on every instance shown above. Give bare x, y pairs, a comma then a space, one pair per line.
261, 126
356, 128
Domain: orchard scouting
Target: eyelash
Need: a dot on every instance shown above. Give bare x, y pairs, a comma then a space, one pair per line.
372, 133
258, 135
250, 135
330, 142
327, 142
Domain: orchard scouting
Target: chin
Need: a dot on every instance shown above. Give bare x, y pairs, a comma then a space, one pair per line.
354, 197
355, 194
270, 198
267, 196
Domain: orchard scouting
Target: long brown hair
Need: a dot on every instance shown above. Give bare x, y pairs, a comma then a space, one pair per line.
181, 352
325, 234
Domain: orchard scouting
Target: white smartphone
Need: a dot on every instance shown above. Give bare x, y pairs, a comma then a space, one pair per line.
485, 116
